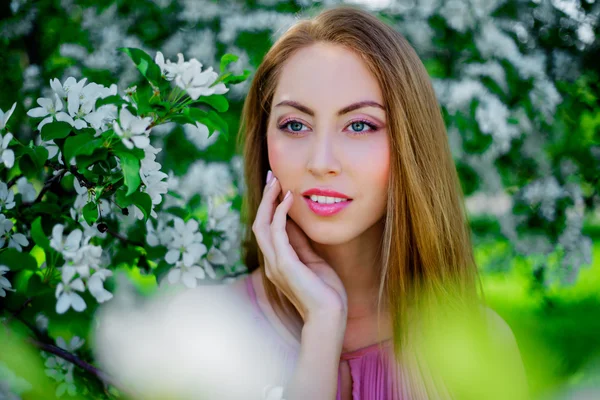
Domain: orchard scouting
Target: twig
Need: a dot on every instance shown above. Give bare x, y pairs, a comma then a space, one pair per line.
47, 186
123, 238
82, 179
18, 310
40, 341
14, 180
65, 355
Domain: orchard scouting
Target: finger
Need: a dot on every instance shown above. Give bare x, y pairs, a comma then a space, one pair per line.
264, 215
299, 242
279, 237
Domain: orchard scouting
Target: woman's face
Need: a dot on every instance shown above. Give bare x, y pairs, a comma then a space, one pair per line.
317, 147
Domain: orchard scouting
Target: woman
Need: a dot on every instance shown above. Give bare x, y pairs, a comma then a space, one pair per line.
363, 284
341, 107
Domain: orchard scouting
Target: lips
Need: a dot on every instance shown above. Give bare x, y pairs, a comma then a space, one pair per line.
326, 210
324, 192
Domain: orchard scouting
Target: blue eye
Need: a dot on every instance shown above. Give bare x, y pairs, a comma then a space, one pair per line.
296, 127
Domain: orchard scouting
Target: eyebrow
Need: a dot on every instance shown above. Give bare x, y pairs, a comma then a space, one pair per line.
345, 110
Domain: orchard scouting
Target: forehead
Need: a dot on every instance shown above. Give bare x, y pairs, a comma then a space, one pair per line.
326, 76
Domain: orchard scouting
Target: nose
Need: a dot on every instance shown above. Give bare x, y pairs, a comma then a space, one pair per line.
323, 160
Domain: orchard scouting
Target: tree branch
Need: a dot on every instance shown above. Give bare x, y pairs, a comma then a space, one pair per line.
65, 355
47, 186
123, 238
82, 179
14, 180
40, 341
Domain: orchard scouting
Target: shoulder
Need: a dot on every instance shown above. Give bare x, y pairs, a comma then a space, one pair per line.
498, 328
507, 352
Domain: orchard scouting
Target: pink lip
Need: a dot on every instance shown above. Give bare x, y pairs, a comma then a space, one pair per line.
326, 210
324, 192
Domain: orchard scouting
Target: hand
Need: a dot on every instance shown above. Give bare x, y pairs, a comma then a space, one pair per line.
310, 284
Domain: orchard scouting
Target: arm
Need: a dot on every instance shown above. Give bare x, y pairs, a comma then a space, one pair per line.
513, 372
316, 373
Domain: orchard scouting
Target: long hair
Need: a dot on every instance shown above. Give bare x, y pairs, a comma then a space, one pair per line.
426, 252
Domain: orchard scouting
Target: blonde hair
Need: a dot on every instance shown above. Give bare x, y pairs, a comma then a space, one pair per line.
426, 252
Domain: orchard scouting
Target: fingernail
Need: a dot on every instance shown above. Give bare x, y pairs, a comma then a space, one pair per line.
287, 195
269, 176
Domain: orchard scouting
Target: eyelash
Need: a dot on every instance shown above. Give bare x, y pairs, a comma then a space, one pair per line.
373, 127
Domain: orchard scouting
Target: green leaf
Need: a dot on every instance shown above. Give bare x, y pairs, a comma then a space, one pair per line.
116, 100
216, 101
210, 118
145, 64
90, 213
56, 130
43, 207
32, 159
36, 285
80, 144
231, 79
182, 119
84, 161
16, 260
226, 60
143, 201
131, 171
38, 235
219, 123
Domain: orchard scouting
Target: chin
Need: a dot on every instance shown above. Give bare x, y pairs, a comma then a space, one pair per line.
329, 234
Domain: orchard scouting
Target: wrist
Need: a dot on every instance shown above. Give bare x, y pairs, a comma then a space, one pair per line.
324, 325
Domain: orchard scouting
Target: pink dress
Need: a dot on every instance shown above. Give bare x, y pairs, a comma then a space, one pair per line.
374, 374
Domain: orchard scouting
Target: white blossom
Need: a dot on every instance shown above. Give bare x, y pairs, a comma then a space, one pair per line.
5, 116
197, 82
7, 156
95, 285
161, 235
4, 282
186, 244
49, 110
102, 118
82, 101
207, 179
168, 69
41, 321
66, 293
132, 129
28, 192
71, 84
68, 246
6, 226
82, 195
213, 257
188, 275
61, 370
7, 197
15, 240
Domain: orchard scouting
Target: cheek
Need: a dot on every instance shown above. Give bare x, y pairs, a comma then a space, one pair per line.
373, 162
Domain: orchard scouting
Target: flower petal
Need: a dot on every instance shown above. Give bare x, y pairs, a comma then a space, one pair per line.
77, 302
63, 303
172, 256
174, 275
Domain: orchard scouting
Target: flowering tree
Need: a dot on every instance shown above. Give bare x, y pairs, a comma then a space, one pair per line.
102, 184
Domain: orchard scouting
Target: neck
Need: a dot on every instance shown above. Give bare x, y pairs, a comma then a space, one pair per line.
358, 266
